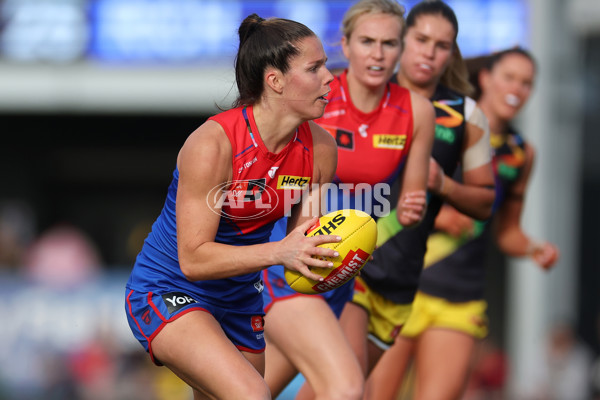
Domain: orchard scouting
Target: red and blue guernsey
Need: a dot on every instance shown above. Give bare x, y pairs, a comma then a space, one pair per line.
372, 151
263, 183
252, 202
372, 147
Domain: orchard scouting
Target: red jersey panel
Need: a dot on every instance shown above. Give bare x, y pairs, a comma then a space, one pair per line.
372, 147
263, 183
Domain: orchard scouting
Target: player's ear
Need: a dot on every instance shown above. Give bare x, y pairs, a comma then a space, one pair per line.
274, 80
345, 47
484, 79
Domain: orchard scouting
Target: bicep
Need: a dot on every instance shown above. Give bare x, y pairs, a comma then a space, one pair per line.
519, 188
204, 165
482, 176
324, 155
509, 213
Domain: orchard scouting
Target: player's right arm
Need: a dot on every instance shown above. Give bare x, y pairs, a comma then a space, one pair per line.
204, 163
474, 196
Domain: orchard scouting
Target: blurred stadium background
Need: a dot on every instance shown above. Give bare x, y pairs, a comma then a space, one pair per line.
97, 96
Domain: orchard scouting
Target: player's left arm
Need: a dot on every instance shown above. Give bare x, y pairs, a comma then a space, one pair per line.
324, 166
510, 237
412, 202
474, 196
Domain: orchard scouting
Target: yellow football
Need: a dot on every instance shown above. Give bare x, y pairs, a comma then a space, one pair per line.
359, 236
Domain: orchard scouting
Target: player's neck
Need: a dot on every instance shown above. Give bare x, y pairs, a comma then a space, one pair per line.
497, 125
364, 98
426, 91
275, 132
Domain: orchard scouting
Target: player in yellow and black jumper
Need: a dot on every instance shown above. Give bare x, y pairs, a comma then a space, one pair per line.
449, 308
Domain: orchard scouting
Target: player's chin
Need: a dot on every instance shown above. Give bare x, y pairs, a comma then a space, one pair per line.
507, 113
375, 82
423, 79
318, 109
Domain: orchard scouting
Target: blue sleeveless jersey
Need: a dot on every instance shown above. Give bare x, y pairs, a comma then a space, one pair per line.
253, 204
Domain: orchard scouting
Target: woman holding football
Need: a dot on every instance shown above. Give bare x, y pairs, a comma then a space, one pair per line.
193, 299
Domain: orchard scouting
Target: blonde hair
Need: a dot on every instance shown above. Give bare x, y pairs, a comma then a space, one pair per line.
364, 7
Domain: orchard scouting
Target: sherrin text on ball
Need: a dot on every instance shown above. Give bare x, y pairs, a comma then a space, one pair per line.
359, 236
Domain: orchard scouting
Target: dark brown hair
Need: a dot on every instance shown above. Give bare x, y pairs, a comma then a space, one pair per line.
455, 76
264, 43
476, 64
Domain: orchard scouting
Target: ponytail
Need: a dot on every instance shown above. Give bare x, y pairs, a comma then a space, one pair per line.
456, 75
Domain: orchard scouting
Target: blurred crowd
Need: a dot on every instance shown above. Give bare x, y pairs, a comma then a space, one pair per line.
65, 335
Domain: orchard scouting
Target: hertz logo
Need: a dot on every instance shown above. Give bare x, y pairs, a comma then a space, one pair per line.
389, 141
292, 182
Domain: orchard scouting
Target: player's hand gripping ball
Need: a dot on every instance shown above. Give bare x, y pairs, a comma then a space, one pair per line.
359, 236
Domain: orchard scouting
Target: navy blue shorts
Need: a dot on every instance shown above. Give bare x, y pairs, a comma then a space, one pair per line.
148, 313
276, 289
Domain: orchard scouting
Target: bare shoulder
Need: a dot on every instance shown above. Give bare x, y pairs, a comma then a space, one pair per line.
423, 112
207, 148
208, 138
422, 107
325, 153
322, 139
475, 118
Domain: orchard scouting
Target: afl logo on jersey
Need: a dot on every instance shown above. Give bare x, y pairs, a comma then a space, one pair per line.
272, 172
362, 130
